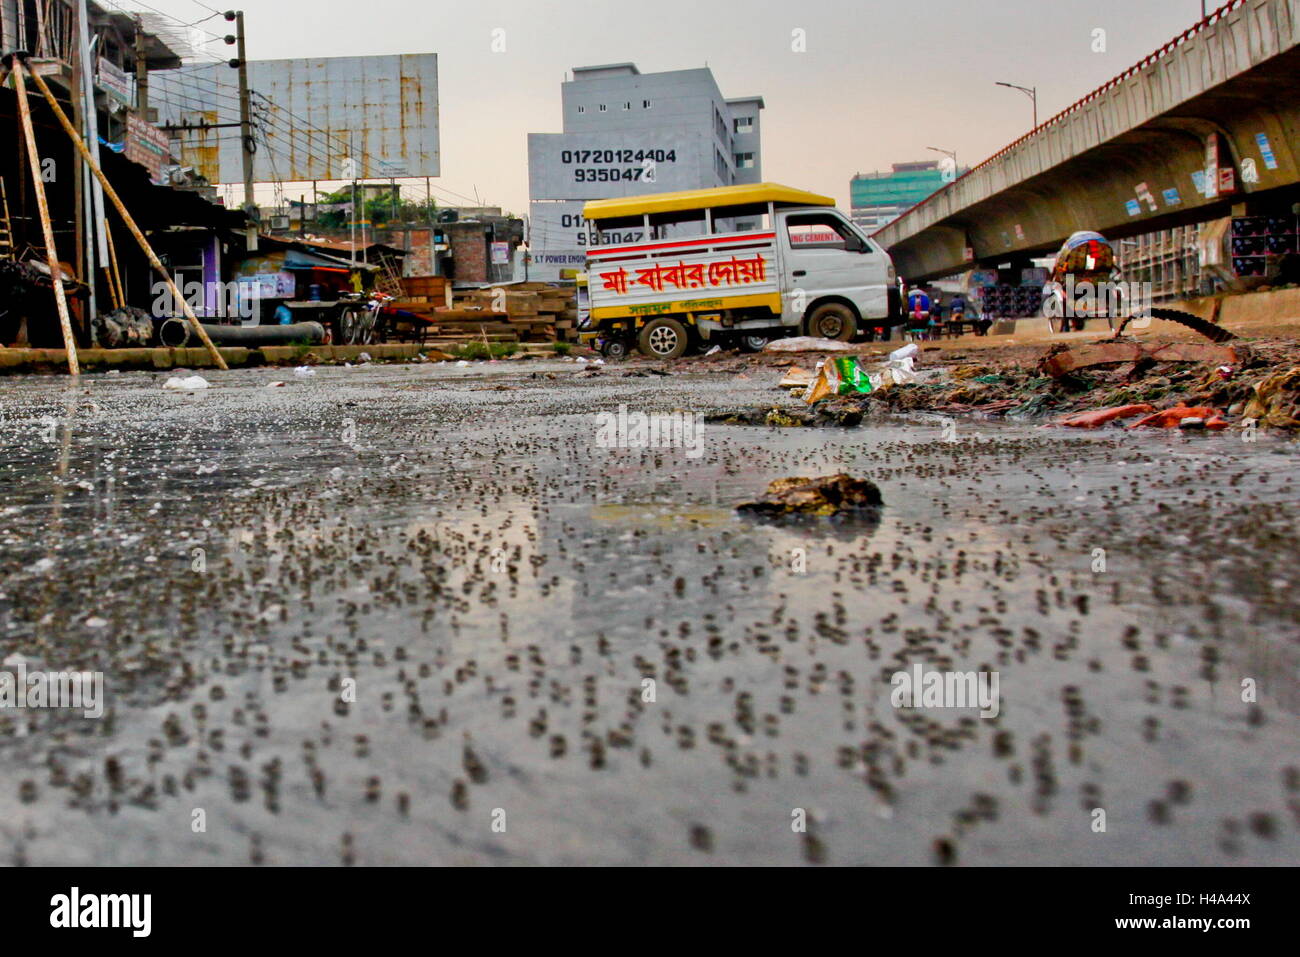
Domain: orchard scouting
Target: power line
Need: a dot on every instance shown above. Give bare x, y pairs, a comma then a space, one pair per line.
215, 11
362, 151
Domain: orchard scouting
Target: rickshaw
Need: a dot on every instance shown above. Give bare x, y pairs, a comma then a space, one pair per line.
1084, 285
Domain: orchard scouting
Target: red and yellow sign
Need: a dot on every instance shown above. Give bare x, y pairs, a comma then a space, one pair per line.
682, 275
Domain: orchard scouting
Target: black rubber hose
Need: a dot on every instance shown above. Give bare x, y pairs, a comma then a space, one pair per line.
1195, 323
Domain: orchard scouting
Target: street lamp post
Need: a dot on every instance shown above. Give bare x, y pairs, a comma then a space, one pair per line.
951, 154
1031, 92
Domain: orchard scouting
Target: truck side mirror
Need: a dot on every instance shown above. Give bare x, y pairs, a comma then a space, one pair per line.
855, 244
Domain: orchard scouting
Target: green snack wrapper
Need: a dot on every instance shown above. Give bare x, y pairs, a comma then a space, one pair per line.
853, 378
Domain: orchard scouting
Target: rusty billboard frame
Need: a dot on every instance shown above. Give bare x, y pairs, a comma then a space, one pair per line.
311, 115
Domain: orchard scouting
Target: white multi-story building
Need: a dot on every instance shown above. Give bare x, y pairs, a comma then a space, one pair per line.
625, 133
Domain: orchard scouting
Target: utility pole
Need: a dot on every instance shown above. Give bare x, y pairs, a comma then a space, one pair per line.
97, 250
245, 126
353, 231
141, 73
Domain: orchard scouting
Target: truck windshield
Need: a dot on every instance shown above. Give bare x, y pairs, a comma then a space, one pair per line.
819, 231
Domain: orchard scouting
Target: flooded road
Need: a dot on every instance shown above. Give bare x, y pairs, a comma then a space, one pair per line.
417, 614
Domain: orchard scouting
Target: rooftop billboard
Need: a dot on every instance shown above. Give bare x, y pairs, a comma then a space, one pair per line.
319, 118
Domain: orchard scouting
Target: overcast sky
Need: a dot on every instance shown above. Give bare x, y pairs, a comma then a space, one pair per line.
879, 81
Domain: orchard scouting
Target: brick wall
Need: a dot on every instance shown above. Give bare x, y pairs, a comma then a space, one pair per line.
418, 241
469, 251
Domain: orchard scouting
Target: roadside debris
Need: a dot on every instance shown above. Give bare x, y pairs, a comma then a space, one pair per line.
1276, 402
1173, 418
186, 383
1061, 359
1211, 331
827, 495
808, 344
122, 328
824, 414
796, 377
838, 376
1088, 386
1099, 417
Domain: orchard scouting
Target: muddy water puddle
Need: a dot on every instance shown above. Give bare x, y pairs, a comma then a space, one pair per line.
417, 614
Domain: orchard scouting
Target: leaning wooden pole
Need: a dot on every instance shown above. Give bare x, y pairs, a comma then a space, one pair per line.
56, 270
114, 277
126, 218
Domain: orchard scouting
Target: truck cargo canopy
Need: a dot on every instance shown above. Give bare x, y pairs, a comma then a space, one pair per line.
702, 199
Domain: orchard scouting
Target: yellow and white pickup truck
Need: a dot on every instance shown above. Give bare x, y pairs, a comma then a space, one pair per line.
734, 264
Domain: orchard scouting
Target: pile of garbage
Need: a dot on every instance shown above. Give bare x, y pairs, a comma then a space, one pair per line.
827, 495
1110, 383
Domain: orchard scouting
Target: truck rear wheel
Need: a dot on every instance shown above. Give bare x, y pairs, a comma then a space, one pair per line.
663, 338
832, 320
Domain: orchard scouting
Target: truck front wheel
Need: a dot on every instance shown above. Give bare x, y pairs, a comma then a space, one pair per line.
832, 320
663, 338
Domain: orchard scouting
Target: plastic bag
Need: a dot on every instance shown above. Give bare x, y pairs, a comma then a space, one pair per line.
841, 375
900, 371
825, 383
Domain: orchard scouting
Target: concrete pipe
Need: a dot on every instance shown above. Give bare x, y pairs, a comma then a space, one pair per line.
177, 332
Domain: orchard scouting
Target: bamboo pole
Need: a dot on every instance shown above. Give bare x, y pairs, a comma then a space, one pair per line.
114, 277
126, 218
51, 254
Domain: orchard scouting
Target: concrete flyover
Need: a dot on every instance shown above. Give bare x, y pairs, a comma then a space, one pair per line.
1139, 154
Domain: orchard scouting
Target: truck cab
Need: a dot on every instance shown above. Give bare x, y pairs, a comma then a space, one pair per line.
736, 264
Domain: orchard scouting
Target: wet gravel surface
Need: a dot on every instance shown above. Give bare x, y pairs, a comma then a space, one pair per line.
416, 614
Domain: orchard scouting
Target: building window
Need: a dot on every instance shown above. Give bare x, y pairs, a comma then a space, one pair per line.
744, 160
582, 109
744, 124
645, 104
627, 105
602, 107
